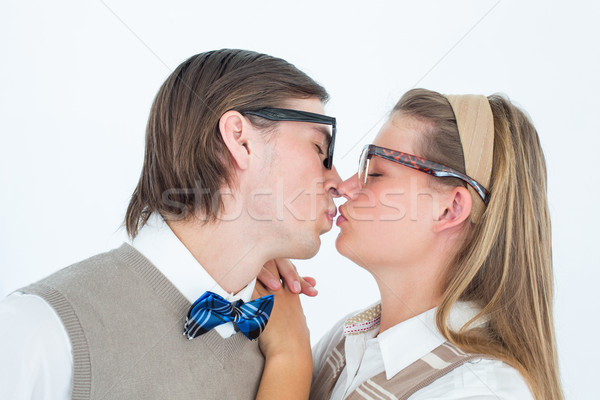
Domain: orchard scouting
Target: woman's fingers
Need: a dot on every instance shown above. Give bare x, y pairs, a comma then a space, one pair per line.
308, 287
311, 281
283, 269
288, 273
269, 279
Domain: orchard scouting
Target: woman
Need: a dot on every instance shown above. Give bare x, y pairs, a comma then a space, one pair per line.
449, 214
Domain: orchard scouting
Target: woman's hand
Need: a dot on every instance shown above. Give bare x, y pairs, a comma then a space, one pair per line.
282, 269
286, 331
285, 343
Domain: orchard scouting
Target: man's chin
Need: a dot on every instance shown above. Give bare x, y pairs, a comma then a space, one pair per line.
308, 249
325, 230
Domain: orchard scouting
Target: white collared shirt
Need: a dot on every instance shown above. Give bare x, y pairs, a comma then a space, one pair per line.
39, 366
369, 353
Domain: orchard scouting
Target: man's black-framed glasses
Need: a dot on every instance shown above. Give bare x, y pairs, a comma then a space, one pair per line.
415, 162
284, 114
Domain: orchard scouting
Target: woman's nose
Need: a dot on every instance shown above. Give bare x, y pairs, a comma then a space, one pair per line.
349, 188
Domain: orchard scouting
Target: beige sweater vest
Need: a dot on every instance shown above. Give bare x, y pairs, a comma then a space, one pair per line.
401, 386
125, 322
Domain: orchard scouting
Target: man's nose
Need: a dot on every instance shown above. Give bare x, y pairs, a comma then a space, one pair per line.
332, 181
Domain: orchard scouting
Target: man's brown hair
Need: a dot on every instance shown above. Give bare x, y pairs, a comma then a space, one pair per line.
186, 161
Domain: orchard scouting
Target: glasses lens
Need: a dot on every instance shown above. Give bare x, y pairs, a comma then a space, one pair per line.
329, 161
362, 167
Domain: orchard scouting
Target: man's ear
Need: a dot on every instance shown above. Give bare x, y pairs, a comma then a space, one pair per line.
235, 131
454, 209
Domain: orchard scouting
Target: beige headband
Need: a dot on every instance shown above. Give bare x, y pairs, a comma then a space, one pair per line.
476, 129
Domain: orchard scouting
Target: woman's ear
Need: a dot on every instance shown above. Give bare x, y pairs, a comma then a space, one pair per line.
454, 209
234, 130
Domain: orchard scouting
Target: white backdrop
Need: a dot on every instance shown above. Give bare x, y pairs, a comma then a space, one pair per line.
77, 80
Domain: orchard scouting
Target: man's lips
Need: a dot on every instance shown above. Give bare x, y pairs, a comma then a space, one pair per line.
341, 218
331, 214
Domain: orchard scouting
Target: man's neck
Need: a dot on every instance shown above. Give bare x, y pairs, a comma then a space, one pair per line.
230, 255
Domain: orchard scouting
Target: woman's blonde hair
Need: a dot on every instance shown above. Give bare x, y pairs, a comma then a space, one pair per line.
505, 262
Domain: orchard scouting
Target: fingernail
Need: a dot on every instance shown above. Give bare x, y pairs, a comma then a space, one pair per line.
296, 287
313, 290
273, 284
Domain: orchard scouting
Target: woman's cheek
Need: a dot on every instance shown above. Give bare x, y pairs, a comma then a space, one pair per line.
392, 205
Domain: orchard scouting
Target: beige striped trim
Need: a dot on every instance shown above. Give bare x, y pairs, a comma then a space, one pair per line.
377, 391
323, 384
336, 360
401, 386
416, 376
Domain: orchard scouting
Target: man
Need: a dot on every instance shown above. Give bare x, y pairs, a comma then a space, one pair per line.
237, 172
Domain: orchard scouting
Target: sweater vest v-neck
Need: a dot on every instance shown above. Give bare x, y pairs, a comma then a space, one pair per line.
125, 323
401, 386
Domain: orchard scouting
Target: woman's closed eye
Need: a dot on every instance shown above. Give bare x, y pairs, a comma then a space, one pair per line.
320, 149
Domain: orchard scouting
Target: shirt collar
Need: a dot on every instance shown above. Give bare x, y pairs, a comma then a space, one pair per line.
157, 242
408, 341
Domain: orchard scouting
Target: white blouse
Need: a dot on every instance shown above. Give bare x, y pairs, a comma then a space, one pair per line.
368, 354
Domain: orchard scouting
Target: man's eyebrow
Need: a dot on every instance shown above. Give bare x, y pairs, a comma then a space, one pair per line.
324, 131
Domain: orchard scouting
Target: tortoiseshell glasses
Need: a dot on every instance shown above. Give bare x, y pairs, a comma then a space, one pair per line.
415, 162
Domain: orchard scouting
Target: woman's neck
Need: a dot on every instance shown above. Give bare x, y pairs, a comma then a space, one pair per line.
404, 296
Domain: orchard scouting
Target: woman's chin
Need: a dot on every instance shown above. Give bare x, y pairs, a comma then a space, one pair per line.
346, 247
339, 241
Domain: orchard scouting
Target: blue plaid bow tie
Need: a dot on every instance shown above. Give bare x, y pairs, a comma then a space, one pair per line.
212, 310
